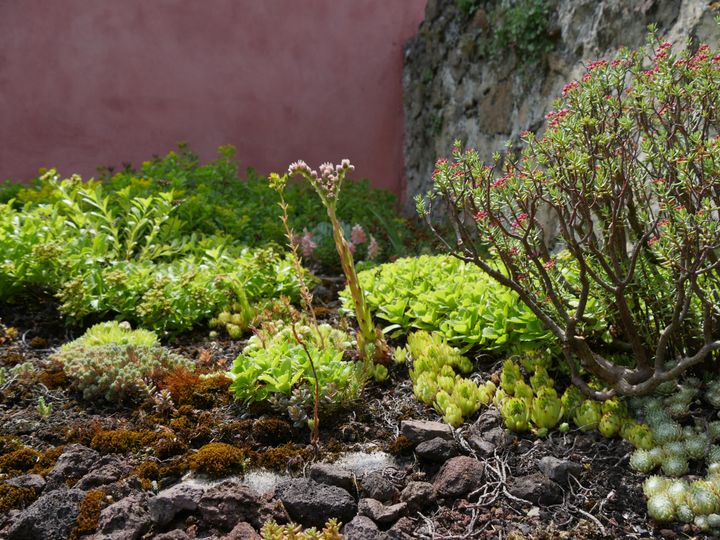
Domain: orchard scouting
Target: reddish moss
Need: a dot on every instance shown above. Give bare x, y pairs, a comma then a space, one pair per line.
19, 461
218, 460
147, 473
175, 468
212, 392
169, 446
47, 460
9, 443
121, 441
15, 497
54, 378
282, 458
180, 382
271, 431
401, 446
90, 507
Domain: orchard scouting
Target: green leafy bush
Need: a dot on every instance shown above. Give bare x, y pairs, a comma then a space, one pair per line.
215, 201
114, 363
117, 254
443, 294
274, 367
628, 172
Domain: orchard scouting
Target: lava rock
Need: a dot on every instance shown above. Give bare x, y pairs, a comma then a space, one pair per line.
176, 534
418, 495
536, 488
226, 503
74, 463
242, 531
558, 470
380, 513
459, 476
482, 447
311, 504
169, 502
438, 450
332, 475
402, 530
128, 519
421, 430
34, 481
363, 528
376, 486
110, 469
51, 517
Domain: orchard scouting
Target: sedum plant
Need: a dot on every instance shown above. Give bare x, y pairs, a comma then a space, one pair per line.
274, 367
627, 179
115, 363
440, 293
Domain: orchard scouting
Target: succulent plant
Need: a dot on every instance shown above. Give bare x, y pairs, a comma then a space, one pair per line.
684, 514
674, 448
713, 430
661, 508
667, 432
541, 379
678, 491
571, 399
697, 446
714, 520
610, 424
675, 466
702, 499
509, 376
655, 485
701, 522
713, 455
639, 435
117, 371
642, 461
588, 415
546, 409
516, 415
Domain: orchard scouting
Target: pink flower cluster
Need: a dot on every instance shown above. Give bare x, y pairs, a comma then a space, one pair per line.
329, 179
569, 87
555, 116
307, 244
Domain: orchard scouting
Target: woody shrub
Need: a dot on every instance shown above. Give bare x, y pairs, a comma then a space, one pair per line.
626, 179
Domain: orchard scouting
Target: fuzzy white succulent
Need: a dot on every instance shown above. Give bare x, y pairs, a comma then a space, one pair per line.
684, 513
655, 485
702, 499
675, 466
697, 446
666, 432
678, 491
642, 461
661, 508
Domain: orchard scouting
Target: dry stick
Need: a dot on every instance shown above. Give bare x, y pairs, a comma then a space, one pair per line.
315, 435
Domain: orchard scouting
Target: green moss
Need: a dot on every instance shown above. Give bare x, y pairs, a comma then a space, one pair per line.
121, 441
15, 497
218, 460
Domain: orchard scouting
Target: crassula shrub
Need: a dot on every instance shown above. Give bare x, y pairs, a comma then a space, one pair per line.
626, 178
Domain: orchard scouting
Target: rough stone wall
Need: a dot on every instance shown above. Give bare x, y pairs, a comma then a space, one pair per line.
455, 90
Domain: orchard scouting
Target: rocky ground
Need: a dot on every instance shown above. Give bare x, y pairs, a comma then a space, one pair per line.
211, 468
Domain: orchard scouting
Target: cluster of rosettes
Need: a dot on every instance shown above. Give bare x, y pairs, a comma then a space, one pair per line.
117, 372
697, 502
328, 181
435, 381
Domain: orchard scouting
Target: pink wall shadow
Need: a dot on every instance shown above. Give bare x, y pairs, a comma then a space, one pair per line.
90, 83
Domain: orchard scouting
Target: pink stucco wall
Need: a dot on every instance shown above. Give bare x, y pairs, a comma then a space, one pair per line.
84, 83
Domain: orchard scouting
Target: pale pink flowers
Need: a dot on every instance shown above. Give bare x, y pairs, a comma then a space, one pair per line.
357, 235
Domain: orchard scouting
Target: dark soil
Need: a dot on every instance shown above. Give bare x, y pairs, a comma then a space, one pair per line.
605, 501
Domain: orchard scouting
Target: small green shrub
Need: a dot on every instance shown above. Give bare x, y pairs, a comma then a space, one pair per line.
274, 367
120, 255
114, 363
